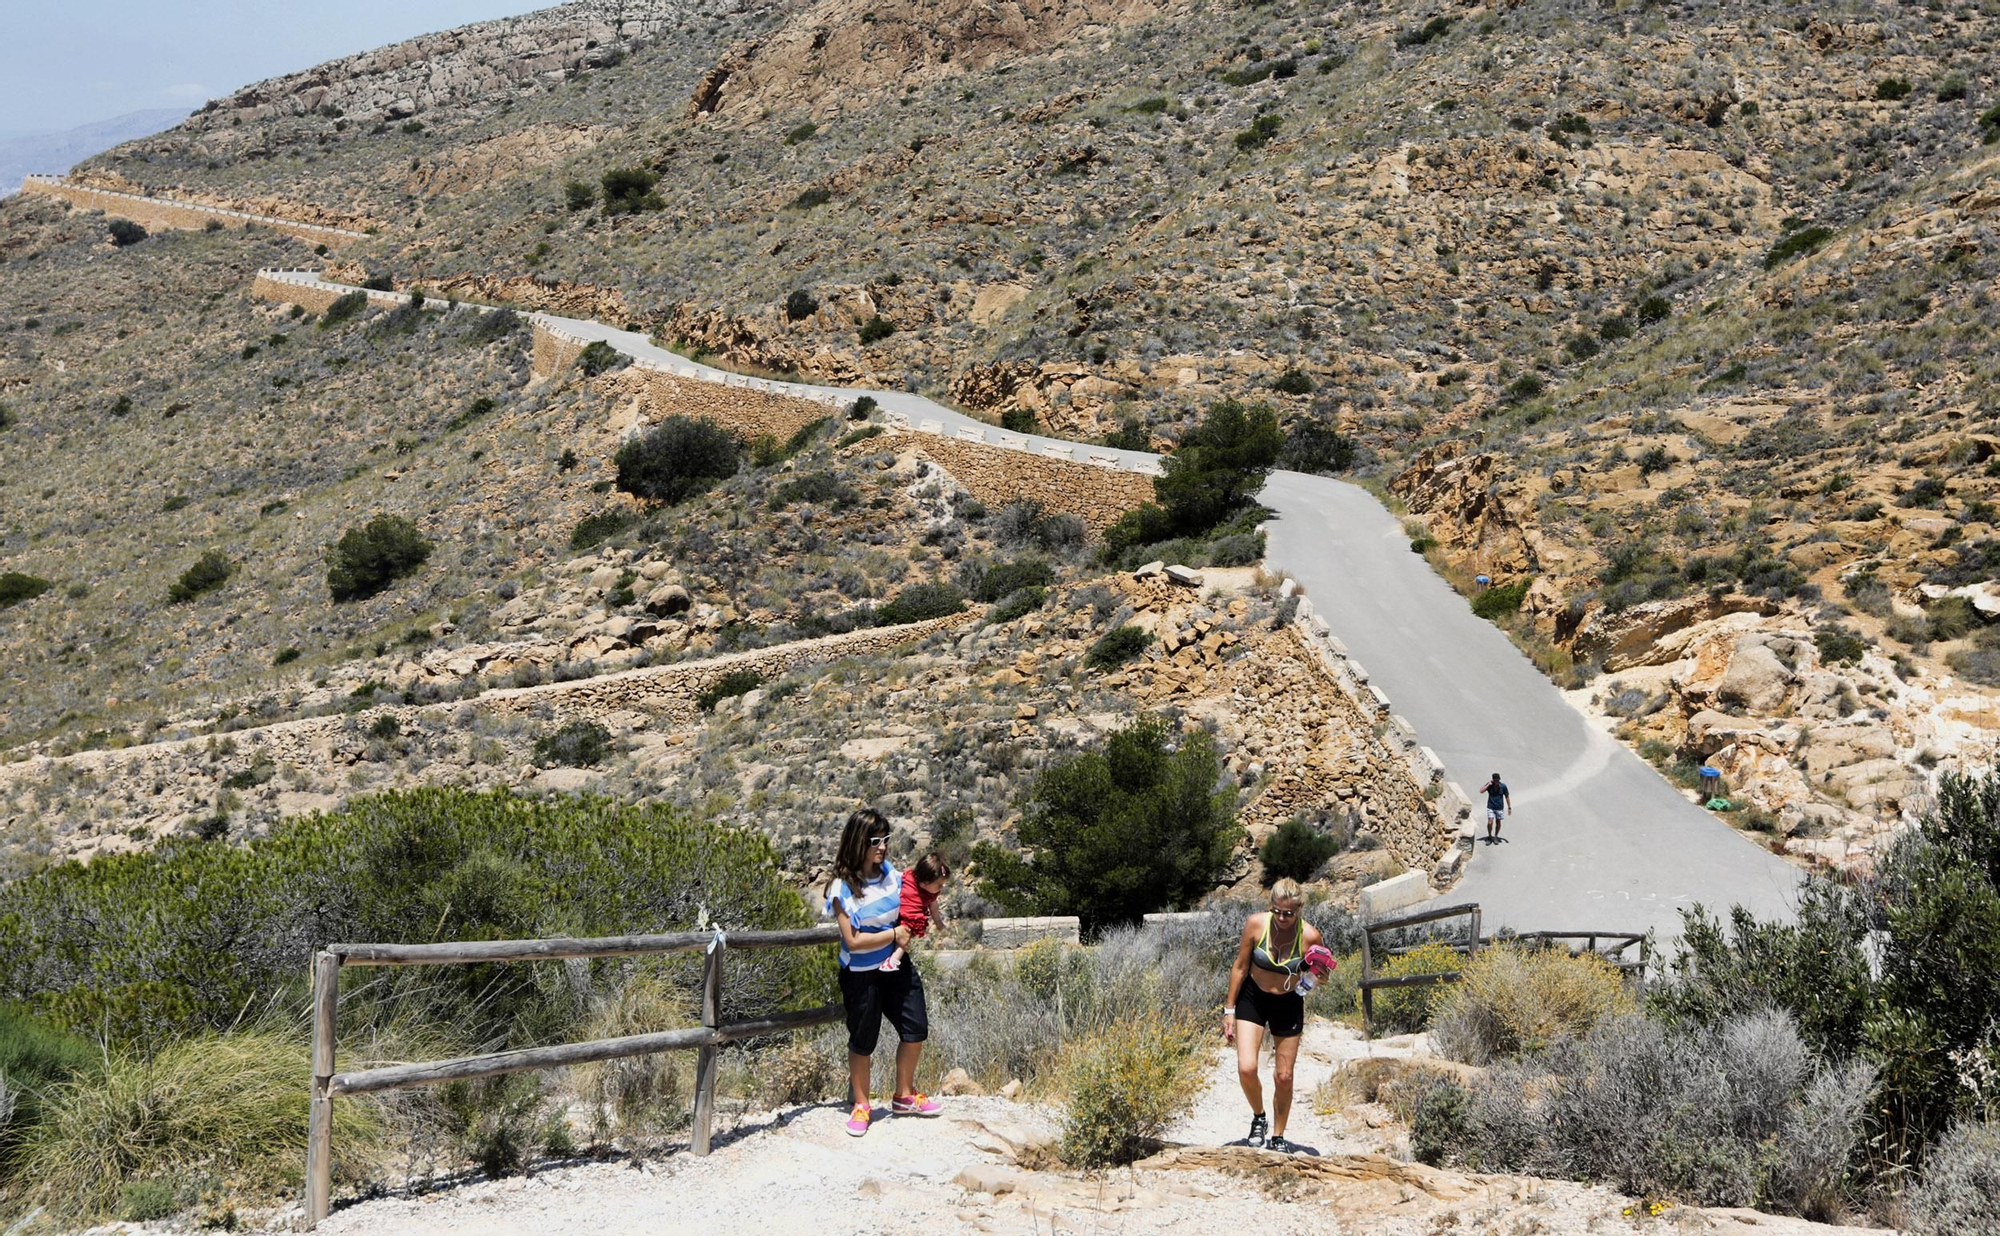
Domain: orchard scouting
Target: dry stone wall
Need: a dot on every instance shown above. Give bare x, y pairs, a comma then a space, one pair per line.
157, 213
997, 475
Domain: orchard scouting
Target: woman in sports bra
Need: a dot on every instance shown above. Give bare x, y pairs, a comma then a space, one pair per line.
1264, 999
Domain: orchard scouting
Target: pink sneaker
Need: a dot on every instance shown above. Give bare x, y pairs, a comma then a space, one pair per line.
857, 1123
891, 966
915, 1105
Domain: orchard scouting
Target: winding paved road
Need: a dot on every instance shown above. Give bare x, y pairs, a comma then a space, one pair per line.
1598, 840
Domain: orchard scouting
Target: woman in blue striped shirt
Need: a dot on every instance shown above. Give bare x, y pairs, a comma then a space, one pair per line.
865, 897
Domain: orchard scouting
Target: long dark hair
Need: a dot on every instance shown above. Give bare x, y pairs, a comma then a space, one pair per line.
850, 862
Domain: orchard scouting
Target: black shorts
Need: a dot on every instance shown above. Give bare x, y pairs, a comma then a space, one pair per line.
871, 995
1282, 1015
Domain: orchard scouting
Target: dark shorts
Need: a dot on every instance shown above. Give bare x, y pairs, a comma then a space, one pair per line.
871, 995
1283, 1016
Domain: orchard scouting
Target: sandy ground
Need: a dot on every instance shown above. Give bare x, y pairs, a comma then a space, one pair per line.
797, 1171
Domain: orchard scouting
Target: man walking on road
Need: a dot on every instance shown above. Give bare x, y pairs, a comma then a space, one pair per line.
1498, 803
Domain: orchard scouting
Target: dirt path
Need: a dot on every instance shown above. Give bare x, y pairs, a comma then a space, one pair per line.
795, 1172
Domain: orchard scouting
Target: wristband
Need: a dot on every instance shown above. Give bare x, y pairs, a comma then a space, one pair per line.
1229, 1012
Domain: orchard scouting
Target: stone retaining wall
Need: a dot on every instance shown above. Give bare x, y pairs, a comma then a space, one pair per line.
997, 475
160, 214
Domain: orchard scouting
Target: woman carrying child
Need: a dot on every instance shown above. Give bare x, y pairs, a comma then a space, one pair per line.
1275, 954
865, 898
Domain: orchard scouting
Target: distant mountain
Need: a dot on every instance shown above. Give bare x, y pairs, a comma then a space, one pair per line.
22, 153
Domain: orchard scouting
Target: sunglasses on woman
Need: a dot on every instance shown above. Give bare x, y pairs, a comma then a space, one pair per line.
875, 841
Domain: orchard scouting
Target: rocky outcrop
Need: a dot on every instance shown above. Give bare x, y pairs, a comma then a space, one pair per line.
1464, 507
1639, 636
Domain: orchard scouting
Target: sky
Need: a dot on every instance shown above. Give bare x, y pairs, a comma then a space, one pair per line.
64, 63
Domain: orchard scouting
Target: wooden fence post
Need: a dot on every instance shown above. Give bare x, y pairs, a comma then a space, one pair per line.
1472, 947
708, 1059
319, 1129
1367, 992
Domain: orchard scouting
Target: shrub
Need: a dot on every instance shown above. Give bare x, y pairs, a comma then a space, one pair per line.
1655, 459
1126, 1085
1313, 446
1891, 89
231, 1105
125, 232
920, 603
1527, 386
1960, 1191
1513, 1000
1026, 523
285, 656
209, 572
17, 586
1117, 646
1653, 309
1209, 478
989, 582
493, 326
800, 305
859, 435
1115, 834
6, 417
1797, 244
876, 329
1952, 618
823, 488
347, 306
1500, 600
378, 283
629, 191
809, 198
34, 1057
600, 526
676, 459
1021, 603
1292, 381
862, 408
599, 357
1838, 645
1019, 420
800, 133
729, 686
1129, 436
1438, 1119
579, 195
1260, 132
576, 744
1404, 1010
141, 1201
1418, 36
1296, 851
368, 559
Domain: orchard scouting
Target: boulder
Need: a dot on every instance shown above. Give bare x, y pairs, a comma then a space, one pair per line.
1756, 678
1187, 577
668, 599
957, 1083
1633, 636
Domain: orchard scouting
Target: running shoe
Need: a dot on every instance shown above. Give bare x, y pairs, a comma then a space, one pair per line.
1258, 1126
915, 1105
857, 1123
1278, 1143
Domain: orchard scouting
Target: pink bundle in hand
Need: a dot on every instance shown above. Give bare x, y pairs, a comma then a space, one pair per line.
1319, 960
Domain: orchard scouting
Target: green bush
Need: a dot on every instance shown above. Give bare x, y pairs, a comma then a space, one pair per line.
920, 603
285, 656
1292, 381
16, 587
1316, 447
988, 582
1260, 132
1838, 645
1296, 851
1430, 31
347, 306
1797, 244
1438, 1121
579, 195
1405, 1010
1653, 309
378, 283
368, 559
6, 416
1126, 1085
575, 744
729, 686
800, 133
1129, 436
492, 326
209, 572
1654, 459
1514, 999
821, 488
599, 357
800, 305
1207, 480
862, 408
125, 232
809, 198
676, 459
1019, 420
859, 435
600, 526
876, 329
629, 191
1892, 89
1527, 386
1117, 646
1500, 600
234, 926
1018, 605
1115, 834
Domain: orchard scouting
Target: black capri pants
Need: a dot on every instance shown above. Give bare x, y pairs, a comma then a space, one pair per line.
871, 995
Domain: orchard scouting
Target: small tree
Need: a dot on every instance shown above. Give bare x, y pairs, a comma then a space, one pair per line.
368, 559
876, 329
800, 305
676, 459
1296, 852
347, 306
598, 357
1314, 446
579, 195
125, 232
1019, 420
209, 572
18, 586
629, 191
920, 603
577, 744
1116, 647
1218, 466
1114, 834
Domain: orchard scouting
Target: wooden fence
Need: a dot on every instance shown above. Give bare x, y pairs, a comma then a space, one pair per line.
707, 1039
1612, 951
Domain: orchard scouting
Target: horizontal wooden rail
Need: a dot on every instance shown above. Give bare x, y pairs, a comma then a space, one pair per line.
1422, 916
476, 951
437, 1072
